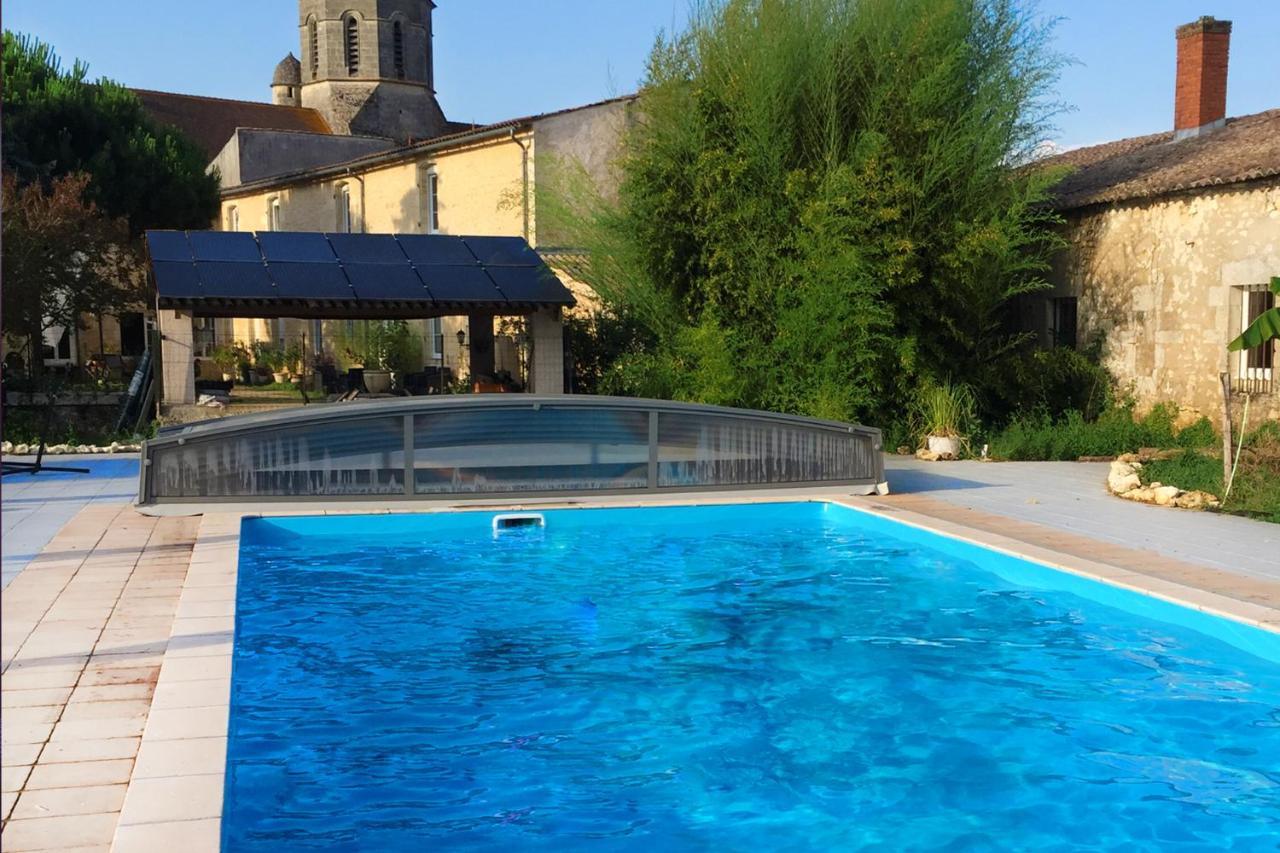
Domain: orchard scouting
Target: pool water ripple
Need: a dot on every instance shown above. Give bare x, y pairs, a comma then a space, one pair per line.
747, 678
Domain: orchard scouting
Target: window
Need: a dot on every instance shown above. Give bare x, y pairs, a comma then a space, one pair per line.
313, 42
133, 333
274, 219
435, 329
1063, 326
351, 32
431, 191
1255, 367
344, 209
397, 48
233, 218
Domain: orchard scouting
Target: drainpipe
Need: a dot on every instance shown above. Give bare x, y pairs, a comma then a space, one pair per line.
524, 178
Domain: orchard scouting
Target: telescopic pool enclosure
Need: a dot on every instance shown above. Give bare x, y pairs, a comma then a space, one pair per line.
473, 445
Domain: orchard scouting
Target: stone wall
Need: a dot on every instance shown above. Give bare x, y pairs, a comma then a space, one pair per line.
1157, 283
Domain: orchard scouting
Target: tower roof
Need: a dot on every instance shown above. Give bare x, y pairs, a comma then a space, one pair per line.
288, 72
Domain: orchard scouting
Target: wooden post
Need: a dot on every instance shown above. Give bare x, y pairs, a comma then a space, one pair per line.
1226, 427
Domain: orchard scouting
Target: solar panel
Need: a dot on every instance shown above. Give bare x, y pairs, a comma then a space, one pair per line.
530, 284
168, 246
367, 248
224, 246
386, 282
177, 280
235, 280
460, 284
296, 246
503, 251
435, 249
310, 281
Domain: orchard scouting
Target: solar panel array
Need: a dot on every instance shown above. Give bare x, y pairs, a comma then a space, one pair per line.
195, 268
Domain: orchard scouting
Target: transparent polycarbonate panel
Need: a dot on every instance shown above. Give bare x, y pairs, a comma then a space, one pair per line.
352, 456
709, 450
530, 450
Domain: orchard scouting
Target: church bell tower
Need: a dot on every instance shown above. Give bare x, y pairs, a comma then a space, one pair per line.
367, 67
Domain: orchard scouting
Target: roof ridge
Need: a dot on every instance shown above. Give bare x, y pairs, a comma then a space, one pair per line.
223, 100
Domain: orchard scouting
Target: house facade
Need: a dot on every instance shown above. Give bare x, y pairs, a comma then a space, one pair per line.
1172, 240
354, 140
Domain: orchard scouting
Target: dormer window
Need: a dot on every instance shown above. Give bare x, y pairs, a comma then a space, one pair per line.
351, 30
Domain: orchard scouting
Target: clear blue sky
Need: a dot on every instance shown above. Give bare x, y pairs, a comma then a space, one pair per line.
498, 59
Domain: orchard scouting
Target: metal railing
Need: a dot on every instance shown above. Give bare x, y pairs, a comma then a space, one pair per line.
508, 445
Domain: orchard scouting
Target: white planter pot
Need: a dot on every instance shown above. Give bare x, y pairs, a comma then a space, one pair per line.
377, 381
944, 445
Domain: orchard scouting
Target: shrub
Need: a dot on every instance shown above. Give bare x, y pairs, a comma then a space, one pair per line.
1115, 431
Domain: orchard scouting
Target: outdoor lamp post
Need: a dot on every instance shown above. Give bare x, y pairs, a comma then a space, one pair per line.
462, 337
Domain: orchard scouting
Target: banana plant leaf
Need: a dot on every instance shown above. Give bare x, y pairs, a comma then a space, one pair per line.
1266, 327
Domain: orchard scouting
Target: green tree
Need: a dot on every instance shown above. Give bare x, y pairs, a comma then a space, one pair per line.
56, 122
62, 259
820, 206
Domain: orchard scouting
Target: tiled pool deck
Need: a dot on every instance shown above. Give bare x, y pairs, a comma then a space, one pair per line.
117, 634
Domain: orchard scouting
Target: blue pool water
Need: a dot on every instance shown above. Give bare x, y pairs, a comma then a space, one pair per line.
777, 677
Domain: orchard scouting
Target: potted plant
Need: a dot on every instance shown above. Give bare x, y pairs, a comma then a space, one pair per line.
269, 362
390, 348
943, 414
227, 359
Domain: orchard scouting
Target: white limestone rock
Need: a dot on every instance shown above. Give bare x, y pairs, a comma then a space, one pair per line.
1165, 495
1122, 478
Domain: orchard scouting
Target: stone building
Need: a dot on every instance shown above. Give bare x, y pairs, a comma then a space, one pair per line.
1172, 240
354, 140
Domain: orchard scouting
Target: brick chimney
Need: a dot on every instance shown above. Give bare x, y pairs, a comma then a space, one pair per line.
1200, 97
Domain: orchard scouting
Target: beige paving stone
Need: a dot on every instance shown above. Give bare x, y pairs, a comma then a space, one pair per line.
7, 801
58, 833
159, 758
203, 693
189, 836
13, 778
47, 670
24, 716
80, 774
20, 733
220, 591
126, 658
196, 668
204, 625
173, 798
34, 698
102, 749
99, 674
106, 710
98, 729
191, 608
182, 723
112, 692
19, 754
57, 802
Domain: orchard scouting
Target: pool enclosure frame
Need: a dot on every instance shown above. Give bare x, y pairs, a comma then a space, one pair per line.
689, 448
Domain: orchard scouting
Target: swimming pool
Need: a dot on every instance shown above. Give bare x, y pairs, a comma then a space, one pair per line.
778, 676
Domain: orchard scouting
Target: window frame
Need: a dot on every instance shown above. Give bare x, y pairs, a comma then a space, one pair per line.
435, 331
397, 49
346, 218
233, 218
313, 45
1264, 370
431, 208
275, 214
351, 44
